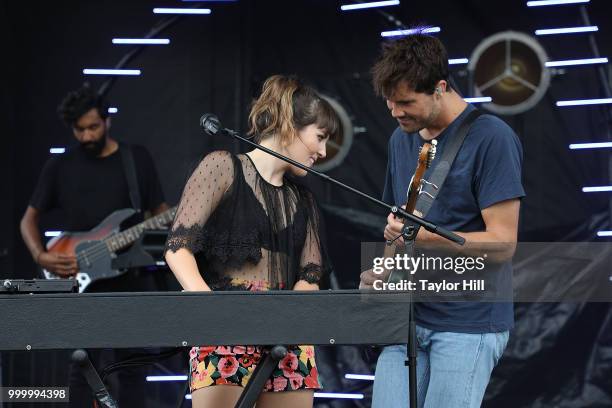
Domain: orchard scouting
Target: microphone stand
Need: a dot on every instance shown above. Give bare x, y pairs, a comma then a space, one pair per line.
397, 211
212, 126
100, 393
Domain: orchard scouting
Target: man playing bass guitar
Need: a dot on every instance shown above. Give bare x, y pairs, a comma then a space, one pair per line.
85, 185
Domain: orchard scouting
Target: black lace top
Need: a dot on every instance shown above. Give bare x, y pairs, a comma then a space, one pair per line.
243, 229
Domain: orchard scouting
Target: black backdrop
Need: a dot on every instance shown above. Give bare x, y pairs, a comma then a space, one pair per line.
216, 63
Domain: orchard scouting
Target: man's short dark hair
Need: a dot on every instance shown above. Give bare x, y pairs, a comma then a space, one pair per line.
419, 59
79, 102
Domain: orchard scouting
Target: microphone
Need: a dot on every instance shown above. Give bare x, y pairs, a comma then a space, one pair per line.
210, 123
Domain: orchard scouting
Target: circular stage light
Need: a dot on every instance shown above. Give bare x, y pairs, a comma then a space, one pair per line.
510, 68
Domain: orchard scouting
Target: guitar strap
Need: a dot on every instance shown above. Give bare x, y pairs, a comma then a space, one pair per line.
127, 157
441, 170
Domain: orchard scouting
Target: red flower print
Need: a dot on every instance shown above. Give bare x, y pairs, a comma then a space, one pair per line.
280, 383
268, 386
223, 351
227, 366
296, 381
288, 364
250, 349
246, 361
239, 350
205, 351
312, 379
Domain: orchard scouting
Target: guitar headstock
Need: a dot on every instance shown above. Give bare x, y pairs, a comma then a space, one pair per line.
427, 153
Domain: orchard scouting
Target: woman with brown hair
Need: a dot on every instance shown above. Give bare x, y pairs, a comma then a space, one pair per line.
242, 224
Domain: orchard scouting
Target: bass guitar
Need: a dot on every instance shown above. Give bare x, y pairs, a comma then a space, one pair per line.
95, 249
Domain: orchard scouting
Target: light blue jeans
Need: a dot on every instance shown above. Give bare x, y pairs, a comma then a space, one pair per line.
453, 370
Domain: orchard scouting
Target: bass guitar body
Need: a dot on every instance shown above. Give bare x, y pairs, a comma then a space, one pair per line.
94, 257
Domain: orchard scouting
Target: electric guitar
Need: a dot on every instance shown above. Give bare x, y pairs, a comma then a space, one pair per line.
426, 157
95, 249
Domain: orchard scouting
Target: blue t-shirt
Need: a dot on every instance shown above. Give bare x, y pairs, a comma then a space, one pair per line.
486, 170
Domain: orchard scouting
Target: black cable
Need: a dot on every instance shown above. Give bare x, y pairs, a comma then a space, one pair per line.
138, 360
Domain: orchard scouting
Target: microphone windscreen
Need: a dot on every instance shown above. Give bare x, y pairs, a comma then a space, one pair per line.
210, 123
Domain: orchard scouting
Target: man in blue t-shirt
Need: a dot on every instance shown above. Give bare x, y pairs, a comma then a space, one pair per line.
459, 343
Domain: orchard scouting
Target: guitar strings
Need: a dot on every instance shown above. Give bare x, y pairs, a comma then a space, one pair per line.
101, 248
97, 251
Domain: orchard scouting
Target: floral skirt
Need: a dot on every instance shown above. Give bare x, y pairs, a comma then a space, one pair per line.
233, 365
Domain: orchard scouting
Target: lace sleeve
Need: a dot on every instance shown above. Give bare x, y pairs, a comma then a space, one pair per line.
311, 259
203, 192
